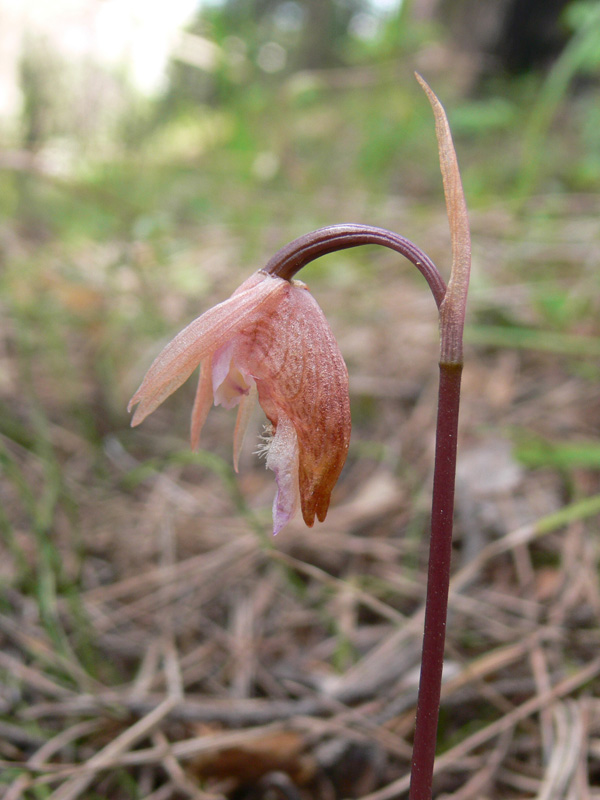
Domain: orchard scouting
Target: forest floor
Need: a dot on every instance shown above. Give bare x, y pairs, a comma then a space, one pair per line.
157, 642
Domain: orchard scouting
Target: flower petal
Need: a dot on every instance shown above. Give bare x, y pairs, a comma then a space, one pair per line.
202, 403
256, 296
301, 376
247, 405
231, 382
282, 458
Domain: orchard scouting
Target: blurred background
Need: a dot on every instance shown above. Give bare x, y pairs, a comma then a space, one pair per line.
152, 156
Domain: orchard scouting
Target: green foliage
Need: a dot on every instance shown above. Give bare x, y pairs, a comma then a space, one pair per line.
581, 56
535, 452
490, 115
514, 336
582, 17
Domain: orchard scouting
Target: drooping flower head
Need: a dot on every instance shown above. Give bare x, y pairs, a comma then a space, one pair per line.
269, 339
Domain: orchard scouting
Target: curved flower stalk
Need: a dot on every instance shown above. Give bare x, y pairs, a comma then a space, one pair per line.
269, 340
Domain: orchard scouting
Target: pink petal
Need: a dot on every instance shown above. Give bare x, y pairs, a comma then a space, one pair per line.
282, 458
255, 297
301, 376
232, 385
231, 382
247, 405
202, 403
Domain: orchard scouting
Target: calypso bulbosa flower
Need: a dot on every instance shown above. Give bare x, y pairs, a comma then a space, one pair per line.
269, 340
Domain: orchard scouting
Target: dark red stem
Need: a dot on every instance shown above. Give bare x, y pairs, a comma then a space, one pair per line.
438, 579
291, 258
285, 264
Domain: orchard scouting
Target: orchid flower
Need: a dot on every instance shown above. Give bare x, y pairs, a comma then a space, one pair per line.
269, 340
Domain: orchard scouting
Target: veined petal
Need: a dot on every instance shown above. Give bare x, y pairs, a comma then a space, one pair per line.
246, 407
282, 458
255, 297
301, 376
202, 403
232, 385
231, 381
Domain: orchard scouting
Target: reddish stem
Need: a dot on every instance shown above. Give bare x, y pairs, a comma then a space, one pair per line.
291, 258
438, 579
285, 264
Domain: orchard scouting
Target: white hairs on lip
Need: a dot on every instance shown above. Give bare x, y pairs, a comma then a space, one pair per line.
266, 440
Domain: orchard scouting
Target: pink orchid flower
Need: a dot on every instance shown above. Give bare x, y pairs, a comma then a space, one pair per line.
269, 339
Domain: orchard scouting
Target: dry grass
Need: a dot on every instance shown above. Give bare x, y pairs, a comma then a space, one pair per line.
164, 646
